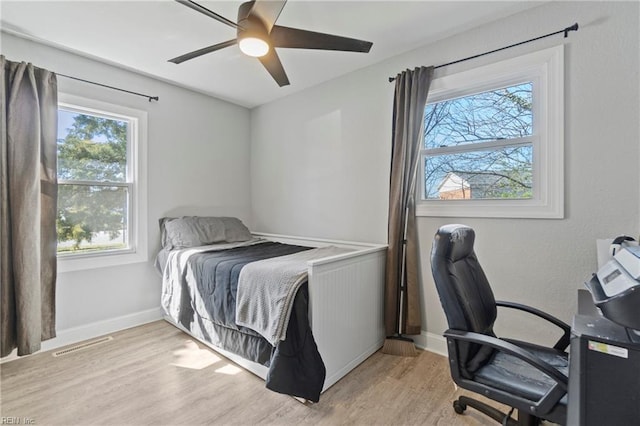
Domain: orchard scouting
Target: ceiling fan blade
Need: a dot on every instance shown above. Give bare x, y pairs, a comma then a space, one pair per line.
272, 63
211, 14
303, 39
268, 11
203, 51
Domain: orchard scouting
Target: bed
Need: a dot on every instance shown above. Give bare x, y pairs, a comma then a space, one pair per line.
332, 322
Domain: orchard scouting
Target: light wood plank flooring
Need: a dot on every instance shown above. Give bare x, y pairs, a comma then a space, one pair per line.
157, 375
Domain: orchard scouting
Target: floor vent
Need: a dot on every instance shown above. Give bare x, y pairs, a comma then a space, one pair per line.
83, 345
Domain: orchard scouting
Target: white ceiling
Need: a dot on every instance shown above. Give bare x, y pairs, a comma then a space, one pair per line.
143, 35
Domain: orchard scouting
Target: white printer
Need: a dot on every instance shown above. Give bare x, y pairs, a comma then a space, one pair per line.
615, 288
622, 272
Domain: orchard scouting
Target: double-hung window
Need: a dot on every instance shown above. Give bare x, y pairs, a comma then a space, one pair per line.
493, 140
101, 184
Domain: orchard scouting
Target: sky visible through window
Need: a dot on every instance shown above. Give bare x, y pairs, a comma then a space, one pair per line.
65, 120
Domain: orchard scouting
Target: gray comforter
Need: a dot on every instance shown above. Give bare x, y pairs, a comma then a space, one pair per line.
199, 292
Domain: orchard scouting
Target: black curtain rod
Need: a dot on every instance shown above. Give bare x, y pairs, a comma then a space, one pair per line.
151, 98
573, 27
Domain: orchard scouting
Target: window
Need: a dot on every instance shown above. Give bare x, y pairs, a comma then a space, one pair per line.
101, 185
493, 140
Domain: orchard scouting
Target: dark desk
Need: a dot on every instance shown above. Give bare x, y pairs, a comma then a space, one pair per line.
604, 370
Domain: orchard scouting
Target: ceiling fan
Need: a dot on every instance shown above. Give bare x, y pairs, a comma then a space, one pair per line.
258, 36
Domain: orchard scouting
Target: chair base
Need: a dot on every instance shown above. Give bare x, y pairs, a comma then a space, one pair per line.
524, 419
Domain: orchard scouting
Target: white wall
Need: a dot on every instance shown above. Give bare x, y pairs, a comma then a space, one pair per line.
320, 158
198, 163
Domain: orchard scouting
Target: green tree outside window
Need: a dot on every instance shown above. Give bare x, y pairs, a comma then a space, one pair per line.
93, 190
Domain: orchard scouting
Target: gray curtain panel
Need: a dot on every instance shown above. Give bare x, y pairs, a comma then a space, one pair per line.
28, 185
412, 87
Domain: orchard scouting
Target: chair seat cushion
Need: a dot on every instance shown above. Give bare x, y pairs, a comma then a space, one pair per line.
511, 374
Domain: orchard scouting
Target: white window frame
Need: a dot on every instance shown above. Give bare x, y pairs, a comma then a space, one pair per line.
137, 186
545, 68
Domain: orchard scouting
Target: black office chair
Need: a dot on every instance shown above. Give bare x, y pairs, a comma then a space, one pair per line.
531, 379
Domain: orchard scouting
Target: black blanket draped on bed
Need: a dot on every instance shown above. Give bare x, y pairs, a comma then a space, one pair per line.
295, 365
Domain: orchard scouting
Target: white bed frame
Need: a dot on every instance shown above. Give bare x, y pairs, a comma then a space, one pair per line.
346, 306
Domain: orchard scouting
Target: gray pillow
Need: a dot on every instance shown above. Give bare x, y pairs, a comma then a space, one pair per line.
193, 231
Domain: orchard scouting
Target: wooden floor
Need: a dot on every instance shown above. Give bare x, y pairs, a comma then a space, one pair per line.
157, 375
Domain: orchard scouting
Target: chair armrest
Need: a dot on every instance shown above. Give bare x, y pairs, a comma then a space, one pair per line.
511, 349
563, 342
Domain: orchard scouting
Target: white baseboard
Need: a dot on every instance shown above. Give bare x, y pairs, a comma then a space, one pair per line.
431, 342
95, 329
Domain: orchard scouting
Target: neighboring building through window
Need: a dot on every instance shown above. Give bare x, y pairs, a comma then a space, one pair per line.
493, 140
101, 188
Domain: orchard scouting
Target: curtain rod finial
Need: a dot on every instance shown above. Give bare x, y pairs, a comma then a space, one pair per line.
574, 27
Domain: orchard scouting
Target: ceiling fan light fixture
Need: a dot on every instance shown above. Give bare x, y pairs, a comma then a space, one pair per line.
258, 36
254, 46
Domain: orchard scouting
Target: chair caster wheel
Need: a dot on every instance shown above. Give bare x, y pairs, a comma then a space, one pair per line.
459, 407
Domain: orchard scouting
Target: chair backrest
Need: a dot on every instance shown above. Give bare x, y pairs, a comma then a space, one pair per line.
464, 291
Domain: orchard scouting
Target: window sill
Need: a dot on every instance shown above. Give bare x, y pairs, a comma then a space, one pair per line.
522, 209
85, 262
